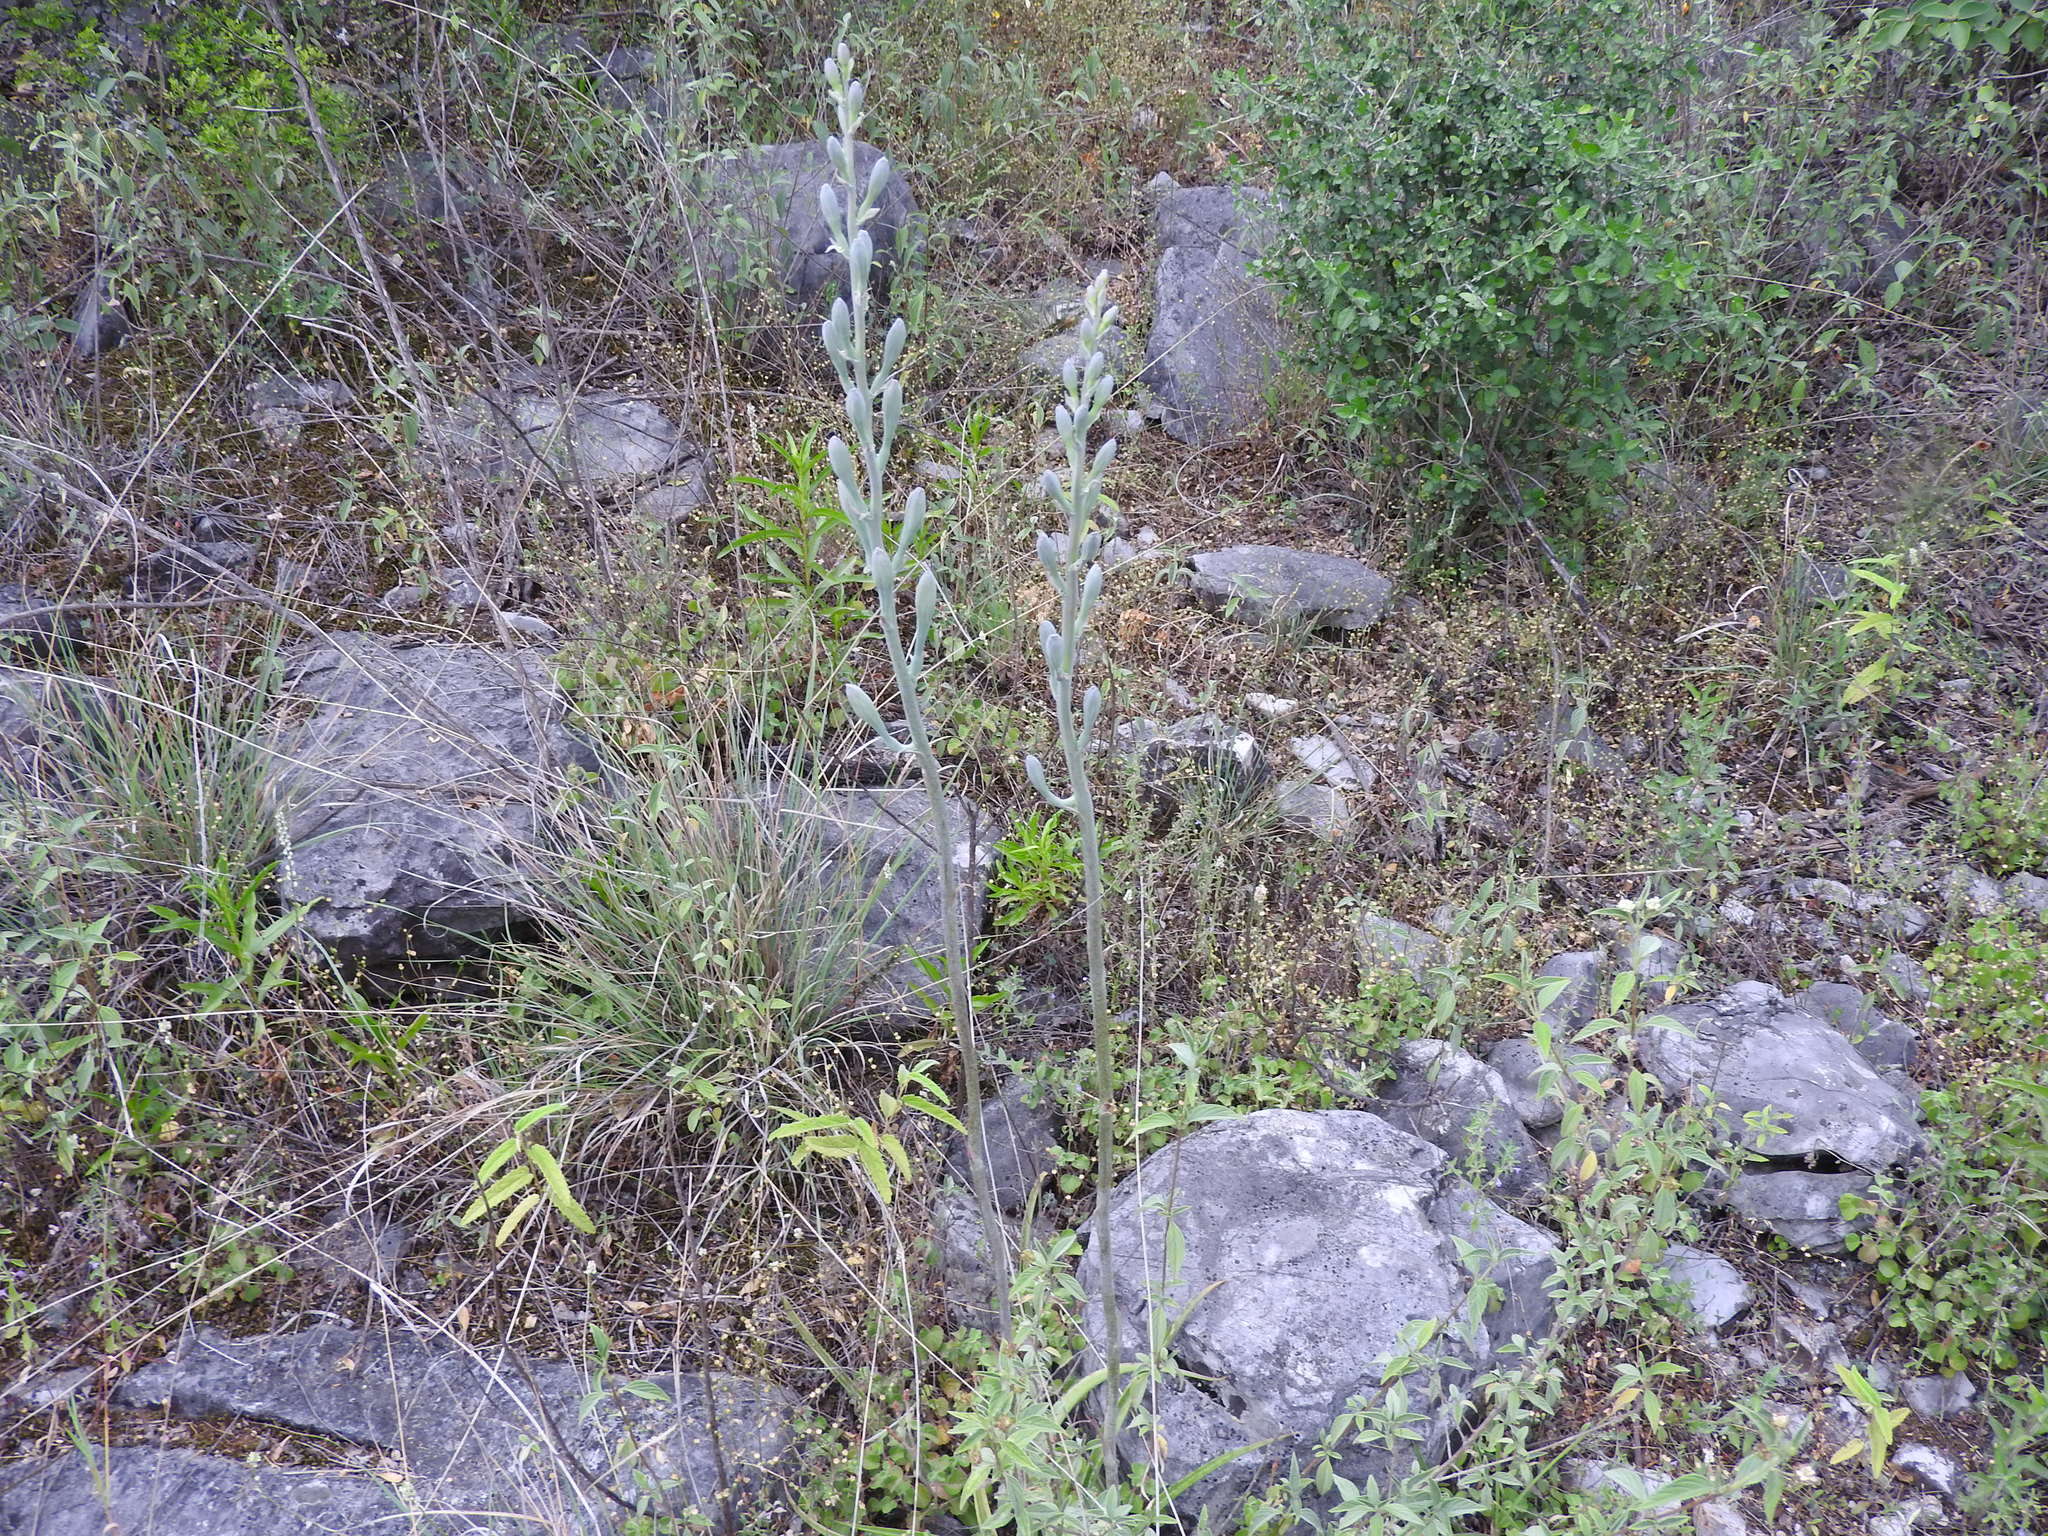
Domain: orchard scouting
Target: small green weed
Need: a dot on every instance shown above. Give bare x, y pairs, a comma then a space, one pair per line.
1038, 870
809, 557
522, 1171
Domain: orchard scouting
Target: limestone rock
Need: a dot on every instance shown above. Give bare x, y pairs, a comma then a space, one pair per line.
412, 798
1879, 1039
1460, 1106
144, 1491
1311, 1241
1803, 1208
1749, 1051
581, 443
1713, 1288
1217, 339
473, 1428
1269, 585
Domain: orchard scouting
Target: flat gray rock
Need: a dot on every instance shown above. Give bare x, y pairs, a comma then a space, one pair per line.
2028, 894
1749, 1051
413, 797
491, 1433
1713, 1288
1217, 341
1939, 1397
1267, 584
1312, 1241
1519, 1066
581, 443
686, 488
143, 1491
1803, 1208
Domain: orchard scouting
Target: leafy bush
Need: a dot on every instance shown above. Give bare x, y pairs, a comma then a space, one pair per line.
231, 83
2002, 814
1960, 1266
1484, 244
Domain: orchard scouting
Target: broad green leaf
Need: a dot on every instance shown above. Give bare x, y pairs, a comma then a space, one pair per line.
533, 1117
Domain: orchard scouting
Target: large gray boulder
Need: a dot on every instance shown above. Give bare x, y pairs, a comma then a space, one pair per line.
875, 857
413, 796
1217, 339
498, 1437
1269, 585
1306, 1246
1749, 1053
762, 234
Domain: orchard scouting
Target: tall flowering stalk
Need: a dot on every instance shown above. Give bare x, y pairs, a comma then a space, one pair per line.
1075, 570
874, 407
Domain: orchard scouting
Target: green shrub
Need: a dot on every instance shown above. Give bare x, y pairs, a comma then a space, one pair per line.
230, 83
1483, 242
1959, 1263
2002, 814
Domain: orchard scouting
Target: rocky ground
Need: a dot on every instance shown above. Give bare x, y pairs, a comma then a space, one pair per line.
474, 1056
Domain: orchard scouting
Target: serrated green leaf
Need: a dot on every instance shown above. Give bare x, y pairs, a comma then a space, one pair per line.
558, 1190
533, 1117
500, 1155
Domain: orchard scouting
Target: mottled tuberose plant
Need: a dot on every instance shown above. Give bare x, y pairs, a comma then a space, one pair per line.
874, 407
1075, 569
